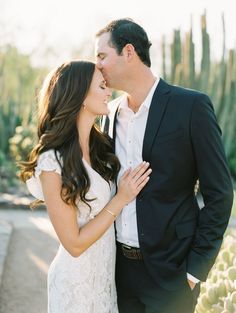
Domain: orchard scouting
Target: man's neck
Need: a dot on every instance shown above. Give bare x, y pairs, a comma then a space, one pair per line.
138, 94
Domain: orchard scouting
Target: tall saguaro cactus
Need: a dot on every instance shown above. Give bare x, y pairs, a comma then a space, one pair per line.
203, 83
217, 79
176, 57
189, 60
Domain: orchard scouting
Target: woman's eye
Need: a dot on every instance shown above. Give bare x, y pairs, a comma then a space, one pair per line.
102, 87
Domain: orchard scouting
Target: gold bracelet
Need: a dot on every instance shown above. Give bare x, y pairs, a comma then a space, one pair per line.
113, 214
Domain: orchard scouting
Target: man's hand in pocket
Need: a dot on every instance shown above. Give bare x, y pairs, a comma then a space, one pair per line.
191, 284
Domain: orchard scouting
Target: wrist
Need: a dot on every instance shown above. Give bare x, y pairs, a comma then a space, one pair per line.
119, 201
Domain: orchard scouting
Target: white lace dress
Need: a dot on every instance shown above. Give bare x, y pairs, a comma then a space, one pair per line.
85, 284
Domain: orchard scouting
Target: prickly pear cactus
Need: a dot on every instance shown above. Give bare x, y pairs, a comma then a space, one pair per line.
218, 293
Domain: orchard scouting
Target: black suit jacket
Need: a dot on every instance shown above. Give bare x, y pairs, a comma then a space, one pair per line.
182, 142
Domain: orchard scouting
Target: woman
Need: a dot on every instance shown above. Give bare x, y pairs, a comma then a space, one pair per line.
73, 169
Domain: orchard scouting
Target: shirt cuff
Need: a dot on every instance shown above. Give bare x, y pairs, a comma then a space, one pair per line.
192, 278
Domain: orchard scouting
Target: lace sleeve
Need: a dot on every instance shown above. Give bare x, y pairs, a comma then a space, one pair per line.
46, 162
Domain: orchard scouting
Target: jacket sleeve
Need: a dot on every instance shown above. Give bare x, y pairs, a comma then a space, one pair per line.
215, 186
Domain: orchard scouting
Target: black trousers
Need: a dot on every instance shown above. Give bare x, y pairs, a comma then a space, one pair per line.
137, 292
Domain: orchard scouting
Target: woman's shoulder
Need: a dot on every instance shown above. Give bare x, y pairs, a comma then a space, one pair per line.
51, 154
49, 160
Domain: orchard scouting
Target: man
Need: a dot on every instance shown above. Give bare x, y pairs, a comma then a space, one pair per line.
165, 243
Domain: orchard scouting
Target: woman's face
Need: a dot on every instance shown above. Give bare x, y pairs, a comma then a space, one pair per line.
98, 95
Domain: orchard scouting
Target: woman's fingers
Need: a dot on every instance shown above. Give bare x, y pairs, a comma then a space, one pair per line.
136, 179
126, 173
132, 181
141, 185
143, 178
139, 170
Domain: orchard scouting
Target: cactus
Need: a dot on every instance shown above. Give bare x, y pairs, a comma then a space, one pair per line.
163, 45
22, 142
217, 79
218, 293
189, 60
18, 81
176, 57
203, 83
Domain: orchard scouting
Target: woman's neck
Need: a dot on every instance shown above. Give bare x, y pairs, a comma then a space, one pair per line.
84, 126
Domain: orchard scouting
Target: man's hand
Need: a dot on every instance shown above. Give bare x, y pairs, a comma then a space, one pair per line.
191, 284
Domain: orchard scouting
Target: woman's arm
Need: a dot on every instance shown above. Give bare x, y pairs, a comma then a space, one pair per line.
77, 239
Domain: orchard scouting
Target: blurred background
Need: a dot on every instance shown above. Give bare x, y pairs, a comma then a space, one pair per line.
193, 45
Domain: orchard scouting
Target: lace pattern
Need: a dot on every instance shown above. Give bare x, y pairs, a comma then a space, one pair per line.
85, 284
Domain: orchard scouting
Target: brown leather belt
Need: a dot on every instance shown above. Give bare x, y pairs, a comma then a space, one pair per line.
130, 252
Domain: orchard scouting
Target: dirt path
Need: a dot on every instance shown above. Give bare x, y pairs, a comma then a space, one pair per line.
31, 250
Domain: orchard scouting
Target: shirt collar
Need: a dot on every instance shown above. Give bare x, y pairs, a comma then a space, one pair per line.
146, 103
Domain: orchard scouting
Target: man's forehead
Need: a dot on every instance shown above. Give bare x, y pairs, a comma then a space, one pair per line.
102, 44
103, 39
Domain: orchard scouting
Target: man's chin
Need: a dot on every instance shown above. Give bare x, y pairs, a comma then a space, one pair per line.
107, 112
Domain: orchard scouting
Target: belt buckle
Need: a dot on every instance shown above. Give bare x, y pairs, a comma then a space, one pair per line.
126, 247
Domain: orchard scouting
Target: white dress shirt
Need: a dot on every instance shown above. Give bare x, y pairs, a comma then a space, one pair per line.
130, 129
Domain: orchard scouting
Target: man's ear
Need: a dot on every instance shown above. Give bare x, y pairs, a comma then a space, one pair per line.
129, 51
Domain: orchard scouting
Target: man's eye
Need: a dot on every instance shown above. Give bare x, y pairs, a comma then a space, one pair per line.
102, 87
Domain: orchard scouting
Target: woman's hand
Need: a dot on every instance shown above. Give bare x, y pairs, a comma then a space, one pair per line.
133, 181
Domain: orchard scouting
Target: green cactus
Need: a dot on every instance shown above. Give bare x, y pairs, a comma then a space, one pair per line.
231, 273
189, 60
217, 79
233, 297
218, 293
212, 294
205, 62
176, 57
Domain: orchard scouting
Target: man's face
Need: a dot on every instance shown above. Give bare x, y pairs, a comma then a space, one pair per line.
109, 62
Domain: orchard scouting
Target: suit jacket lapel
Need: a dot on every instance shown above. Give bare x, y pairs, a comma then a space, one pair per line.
156, 112
155, 115
114, 125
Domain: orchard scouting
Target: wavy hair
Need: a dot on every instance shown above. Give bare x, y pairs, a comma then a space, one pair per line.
60, 100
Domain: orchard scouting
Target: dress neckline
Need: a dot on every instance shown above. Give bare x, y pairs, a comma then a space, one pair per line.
90, 167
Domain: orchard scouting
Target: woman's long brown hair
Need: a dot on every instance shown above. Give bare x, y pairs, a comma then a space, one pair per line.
60, 101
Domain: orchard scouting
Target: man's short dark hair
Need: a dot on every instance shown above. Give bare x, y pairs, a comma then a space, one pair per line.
126, 31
